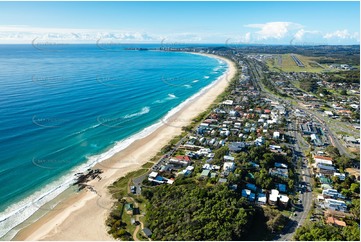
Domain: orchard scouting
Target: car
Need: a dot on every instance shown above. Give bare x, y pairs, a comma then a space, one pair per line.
133, 189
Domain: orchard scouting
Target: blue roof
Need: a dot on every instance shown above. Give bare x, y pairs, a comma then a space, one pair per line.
159, 178
251, 186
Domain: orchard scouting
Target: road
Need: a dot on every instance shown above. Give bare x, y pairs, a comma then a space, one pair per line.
301, 211
256, 72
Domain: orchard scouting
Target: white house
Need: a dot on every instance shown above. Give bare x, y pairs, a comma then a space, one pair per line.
229, 166
276, 135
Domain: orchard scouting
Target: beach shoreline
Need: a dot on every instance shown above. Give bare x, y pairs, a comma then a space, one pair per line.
84, 216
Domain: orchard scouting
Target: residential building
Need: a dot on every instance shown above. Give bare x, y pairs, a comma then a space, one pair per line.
229, 166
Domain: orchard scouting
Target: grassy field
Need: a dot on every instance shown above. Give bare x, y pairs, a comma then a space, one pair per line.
285, 63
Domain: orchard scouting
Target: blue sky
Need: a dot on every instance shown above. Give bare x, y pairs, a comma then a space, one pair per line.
183, 22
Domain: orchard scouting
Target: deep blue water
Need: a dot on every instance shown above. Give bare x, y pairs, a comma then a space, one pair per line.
62, 108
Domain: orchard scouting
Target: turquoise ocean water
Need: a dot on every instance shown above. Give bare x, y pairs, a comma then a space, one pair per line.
64, 109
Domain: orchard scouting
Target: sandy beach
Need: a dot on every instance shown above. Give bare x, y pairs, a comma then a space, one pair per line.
83, 217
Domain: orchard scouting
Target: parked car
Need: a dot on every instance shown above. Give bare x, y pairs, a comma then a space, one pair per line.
133, 189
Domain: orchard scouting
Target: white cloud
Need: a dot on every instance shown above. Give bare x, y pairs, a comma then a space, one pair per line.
276, 30
27, 34
300, 33
342, 34
16, 34
247, 37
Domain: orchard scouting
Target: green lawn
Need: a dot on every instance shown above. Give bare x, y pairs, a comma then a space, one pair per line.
147, 165
120, 187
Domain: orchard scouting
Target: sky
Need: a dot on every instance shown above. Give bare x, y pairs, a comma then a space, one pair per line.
302, 23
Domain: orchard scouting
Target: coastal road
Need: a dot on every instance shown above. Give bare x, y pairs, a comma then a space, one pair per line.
301, 210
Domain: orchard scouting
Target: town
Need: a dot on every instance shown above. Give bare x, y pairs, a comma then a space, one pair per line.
282, 138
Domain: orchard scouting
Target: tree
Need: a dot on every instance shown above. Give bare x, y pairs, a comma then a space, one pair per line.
219, 153
332, 151
355, 209
346, 192
343, 92
355, 187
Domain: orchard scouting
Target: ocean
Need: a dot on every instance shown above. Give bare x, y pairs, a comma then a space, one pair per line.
65, 108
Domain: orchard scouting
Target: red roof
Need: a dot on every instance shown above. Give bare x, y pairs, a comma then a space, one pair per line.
322, 157
267, 111
331, 220
183, 157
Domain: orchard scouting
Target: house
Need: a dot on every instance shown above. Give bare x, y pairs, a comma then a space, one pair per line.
147, 232
281, 165
325, 169
185, 172
236, 146
262, 198
337, 205
222, 180
204, 151
153, 174
316, 140
251, 187
280, 172
276, 135
228, 102
246, 193
329, 113
332, 193
322, 160
282, 187
284, 200
234, 113
128, 207
273, 197
229, 166
249, 195
335, 221
228, 158
205, 173
233, 187
341, 176
252, 197
308, 128
182, 160
259, 141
